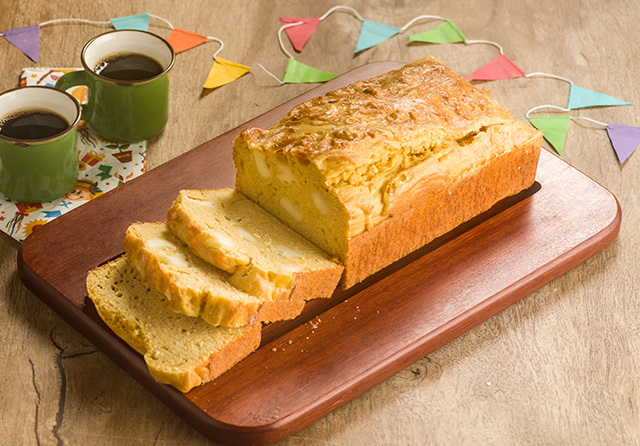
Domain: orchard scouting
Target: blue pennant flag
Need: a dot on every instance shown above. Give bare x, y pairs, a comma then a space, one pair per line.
581, 98
139, 22
373, 33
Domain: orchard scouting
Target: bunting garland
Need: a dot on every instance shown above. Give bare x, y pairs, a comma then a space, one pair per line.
221, 73
224, 71
139, 22
182, 40
300, 33
373, 33
26, 40
580, 97
297, 72
299, 30
499, 68
554, 129
624, 138
444, 33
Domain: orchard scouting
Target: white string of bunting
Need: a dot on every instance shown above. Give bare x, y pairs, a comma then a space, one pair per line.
300, 29
222, 71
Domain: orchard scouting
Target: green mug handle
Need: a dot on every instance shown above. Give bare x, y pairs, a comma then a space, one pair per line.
75, 79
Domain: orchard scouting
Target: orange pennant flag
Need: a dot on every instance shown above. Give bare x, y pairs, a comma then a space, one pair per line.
224, 71
182, 40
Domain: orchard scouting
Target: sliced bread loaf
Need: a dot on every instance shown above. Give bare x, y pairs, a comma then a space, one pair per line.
193, 286
264, 256
179, 350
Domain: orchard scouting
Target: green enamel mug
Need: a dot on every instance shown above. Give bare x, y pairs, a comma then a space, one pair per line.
128, 103
38, 143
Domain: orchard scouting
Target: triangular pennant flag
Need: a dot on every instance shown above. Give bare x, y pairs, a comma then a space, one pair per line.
624, 139
299, 73
581, 97
446, 32
139, 22
26, 40
224, 71
554, 129
499, 68
373, 33
181, 40
299, 34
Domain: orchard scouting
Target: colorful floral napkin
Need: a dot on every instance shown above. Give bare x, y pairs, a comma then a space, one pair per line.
104, 165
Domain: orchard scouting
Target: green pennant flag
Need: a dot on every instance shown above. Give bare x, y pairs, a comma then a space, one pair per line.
443, 33
299, 73
554, 129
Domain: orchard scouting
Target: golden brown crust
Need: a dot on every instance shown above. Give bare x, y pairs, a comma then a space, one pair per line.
222, 361
442, 206
318, 284
280, 310
424, 93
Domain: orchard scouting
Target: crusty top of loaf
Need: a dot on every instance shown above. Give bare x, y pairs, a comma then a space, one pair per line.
369, 143
422, 94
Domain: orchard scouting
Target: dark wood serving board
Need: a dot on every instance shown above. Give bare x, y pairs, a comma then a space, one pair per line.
339, 347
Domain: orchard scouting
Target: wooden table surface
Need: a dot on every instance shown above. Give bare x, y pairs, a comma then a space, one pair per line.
559, 367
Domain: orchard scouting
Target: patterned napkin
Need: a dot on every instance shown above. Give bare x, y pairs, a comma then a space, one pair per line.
104, 165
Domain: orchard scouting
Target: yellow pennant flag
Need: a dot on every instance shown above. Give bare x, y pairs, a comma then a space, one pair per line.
224, 71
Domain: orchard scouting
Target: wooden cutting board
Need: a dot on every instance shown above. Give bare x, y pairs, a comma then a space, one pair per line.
339, 347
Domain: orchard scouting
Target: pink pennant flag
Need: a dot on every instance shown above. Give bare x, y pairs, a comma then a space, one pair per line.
26, 40
624, 139
299, 34
499, 68
182, 40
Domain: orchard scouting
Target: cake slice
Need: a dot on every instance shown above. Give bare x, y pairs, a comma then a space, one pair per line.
193, 286
179, 350
264, 257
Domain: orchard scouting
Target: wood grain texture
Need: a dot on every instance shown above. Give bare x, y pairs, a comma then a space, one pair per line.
558, 367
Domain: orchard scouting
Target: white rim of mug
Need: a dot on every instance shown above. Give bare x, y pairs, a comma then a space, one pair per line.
128, 82
70, 128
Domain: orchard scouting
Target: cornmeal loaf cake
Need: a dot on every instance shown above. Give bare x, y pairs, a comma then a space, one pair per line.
193, 286
377, 169
264, 257
179, 350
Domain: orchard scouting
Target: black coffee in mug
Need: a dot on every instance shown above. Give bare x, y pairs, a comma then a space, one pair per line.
32, 123
128, 67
